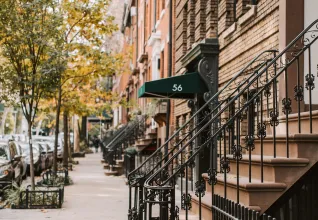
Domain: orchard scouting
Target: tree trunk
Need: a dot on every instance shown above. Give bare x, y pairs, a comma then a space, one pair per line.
58, 110
31, 154
84, 128
76, 135
19, 121
3, 119
69, 140
38, 127
65, 151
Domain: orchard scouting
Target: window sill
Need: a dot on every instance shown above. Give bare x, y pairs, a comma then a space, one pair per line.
248, 15
162, 13
230, 30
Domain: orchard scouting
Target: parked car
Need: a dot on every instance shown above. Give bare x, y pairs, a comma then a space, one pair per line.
39, 157
23, 159
51, 139
11, 168
49, 149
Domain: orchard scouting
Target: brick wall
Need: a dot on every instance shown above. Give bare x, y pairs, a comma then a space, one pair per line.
259, 33
239, 41
195, 20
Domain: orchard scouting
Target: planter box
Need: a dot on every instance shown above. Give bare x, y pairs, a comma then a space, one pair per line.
79, 154
49, 197
48, 177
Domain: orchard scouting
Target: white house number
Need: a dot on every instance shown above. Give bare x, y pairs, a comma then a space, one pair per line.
177, 87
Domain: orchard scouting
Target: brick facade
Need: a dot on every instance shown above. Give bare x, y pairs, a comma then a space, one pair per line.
242, 34
146, 27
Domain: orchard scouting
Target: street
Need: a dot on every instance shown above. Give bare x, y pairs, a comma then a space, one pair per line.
92, 196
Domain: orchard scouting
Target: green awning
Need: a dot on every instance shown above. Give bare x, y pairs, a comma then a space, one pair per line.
176, 87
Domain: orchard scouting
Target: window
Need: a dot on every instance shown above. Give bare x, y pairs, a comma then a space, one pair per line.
146, 22
157, 10
3, 153
163, 4
242, 6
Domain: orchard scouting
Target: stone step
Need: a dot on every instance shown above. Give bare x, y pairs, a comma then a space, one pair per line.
293, 123
299, 146
206, 205
276, 169
191, 216
106, 166
152, 132
118, 168
143, 142
120, 161
249, 192
111, 173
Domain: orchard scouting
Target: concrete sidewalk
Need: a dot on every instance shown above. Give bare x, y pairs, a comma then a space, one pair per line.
93, 196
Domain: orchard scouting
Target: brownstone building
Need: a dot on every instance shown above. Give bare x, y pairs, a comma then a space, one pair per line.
147, 48
244, 111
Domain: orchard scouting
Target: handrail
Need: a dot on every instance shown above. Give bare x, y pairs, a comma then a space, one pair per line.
117, 136
237, 113
202, 121
200, 110
124, 134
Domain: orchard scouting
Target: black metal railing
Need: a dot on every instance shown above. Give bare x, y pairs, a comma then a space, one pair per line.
230, 210
49, 178
299, 201
108, 138
48, 197
185, 132
234, 123
132, 131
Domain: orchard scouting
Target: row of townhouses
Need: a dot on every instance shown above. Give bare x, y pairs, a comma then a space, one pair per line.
218, 110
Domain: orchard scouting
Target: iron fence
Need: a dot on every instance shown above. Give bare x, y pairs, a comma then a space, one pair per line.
48, 197
225, 209
49, 178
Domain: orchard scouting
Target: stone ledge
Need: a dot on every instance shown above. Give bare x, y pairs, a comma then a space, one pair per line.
248, 15
230, 30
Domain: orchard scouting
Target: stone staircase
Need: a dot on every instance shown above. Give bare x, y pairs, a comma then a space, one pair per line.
145, 141
279, 173
114, 170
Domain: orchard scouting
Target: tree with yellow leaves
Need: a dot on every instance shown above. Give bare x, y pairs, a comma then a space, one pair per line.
29, 36
85, 26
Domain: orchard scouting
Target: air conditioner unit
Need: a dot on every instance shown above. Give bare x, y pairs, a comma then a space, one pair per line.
133, 11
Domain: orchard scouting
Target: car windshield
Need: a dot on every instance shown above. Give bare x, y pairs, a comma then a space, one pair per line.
3, 153
26, 149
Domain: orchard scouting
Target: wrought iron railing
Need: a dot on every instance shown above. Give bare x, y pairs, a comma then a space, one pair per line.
298, 202
230, 210
132, 131
108, 140
48, 197
184, 133
49, 178
227, 127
